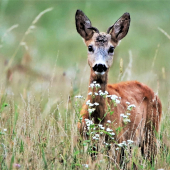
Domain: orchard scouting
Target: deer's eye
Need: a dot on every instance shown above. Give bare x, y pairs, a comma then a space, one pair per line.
90, 48
111, 49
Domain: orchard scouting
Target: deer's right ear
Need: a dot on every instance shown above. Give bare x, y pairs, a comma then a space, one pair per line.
120, 28
83, 25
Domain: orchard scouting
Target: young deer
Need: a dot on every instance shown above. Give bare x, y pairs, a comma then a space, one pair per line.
146, 113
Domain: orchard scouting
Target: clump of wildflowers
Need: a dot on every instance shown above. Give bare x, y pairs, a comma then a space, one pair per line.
115, 99
91, 110
125, 143
95, 131
89, 104
130, 107
88, 122
94, 85
104, 94
125, 118
106, 144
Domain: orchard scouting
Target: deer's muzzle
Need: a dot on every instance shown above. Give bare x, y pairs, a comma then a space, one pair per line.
100, 68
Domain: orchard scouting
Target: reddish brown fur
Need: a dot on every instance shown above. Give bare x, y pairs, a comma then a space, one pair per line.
144, 118
135, 93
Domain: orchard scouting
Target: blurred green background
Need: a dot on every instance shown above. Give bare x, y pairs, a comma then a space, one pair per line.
55, 47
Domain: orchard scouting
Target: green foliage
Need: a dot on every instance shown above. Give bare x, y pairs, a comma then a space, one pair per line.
44, 159
12, 161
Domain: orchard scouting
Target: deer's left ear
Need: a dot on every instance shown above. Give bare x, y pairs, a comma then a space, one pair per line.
120, 28
83, 25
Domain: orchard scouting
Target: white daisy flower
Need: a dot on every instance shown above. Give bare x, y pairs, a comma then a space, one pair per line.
126, 120
91, 110
130, 141
117, 101
88, 101
120, 145
97, 85
124, 142
102, 128
94, 137
125, 116
79, 96
107, 144
112, 133
91, 85
114, 97
96, 103
97, 135
109, 121
128, 103
90, 104
90, 93
101, 93
122, 114
90, 122
109, 130
130, 107
86, 120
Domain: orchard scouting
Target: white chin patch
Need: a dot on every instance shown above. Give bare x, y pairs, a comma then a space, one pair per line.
100, 73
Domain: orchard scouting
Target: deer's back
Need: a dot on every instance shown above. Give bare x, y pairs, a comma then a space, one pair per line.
147, 109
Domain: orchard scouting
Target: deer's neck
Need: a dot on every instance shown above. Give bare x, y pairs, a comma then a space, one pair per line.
100, 110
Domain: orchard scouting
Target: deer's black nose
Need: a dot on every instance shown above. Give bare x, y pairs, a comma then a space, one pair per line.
100, 68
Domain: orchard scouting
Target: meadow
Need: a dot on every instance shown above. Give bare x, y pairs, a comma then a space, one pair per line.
43, 66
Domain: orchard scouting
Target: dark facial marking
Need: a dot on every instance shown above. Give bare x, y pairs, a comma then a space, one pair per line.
101, 40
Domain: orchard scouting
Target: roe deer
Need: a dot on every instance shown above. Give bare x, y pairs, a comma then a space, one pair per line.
145, 107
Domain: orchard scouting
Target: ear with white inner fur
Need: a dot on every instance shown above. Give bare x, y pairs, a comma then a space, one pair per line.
120, 28
84, 26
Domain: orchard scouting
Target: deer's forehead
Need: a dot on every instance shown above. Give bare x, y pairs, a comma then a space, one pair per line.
101, 39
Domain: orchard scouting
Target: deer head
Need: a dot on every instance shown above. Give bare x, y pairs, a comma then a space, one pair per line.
101, 45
